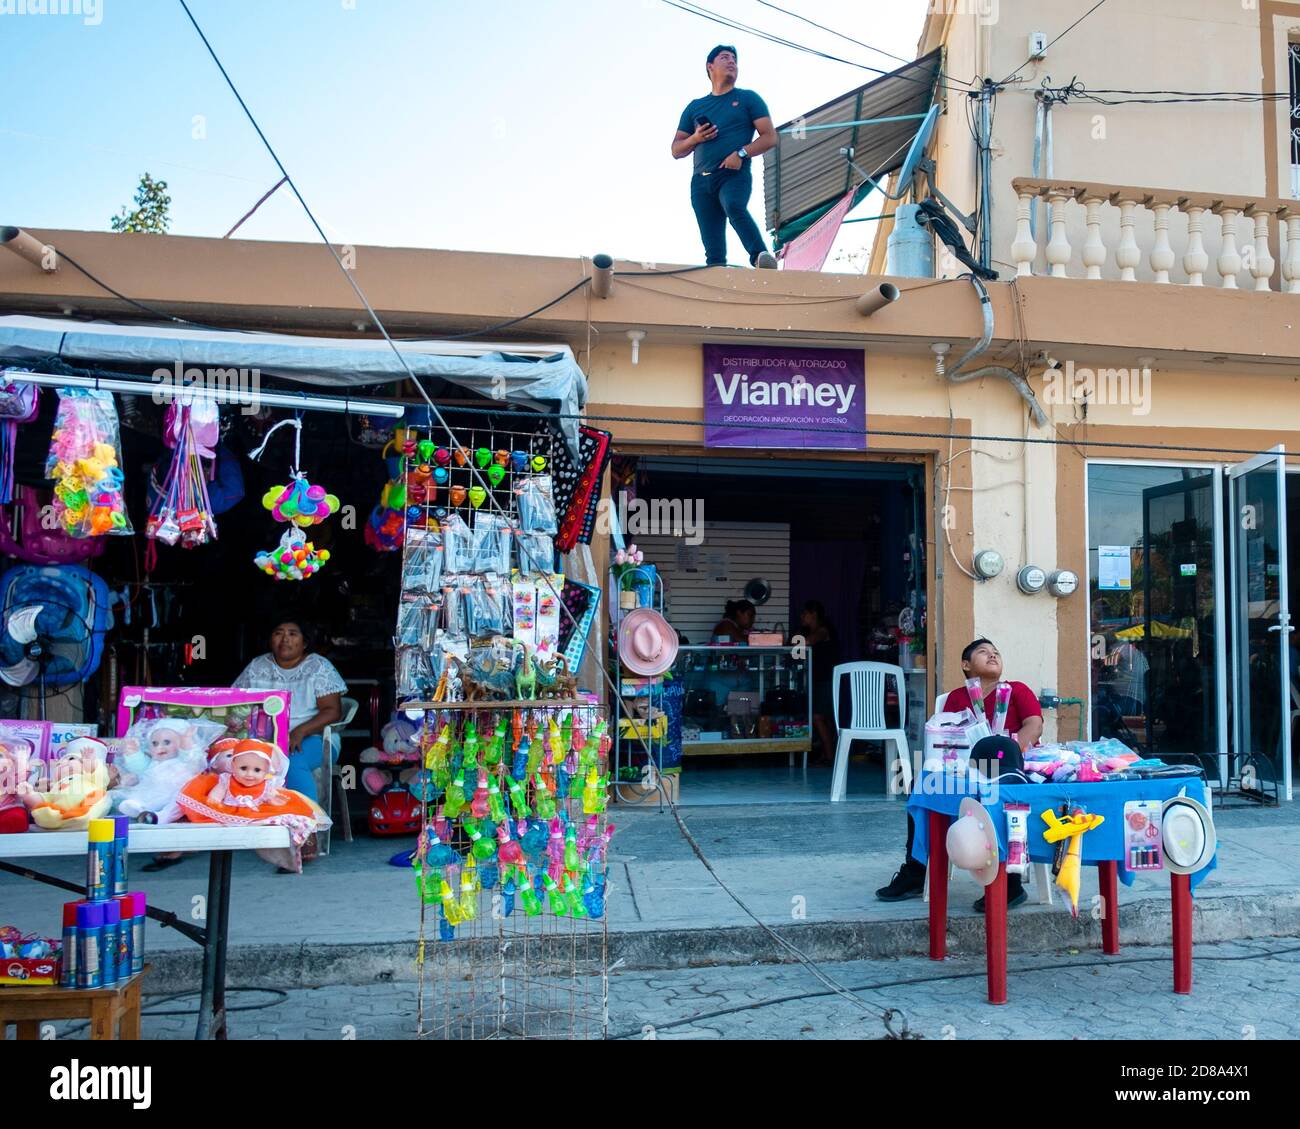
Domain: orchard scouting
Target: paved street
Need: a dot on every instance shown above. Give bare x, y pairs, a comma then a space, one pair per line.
1238, 994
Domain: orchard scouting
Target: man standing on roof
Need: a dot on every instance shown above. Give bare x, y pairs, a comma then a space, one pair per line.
719, 129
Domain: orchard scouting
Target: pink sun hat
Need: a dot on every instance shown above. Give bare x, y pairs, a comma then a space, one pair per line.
647, 643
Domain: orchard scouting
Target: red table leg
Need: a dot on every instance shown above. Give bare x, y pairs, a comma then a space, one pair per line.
995, 935
1107, 879
938, 885
1181, 888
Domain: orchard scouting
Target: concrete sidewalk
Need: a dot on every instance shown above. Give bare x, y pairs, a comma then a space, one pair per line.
808, 870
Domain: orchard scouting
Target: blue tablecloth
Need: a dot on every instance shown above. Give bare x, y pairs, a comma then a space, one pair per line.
944, 793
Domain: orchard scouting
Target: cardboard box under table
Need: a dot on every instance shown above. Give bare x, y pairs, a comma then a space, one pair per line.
219, 842
935, 801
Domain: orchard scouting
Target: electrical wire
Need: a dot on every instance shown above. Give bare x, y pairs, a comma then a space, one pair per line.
150, 310
694, 9
832, 31
1063, 34
912, 981
1076, 89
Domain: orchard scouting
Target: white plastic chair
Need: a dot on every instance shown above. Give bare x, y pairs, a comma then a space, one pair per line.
867, 722
330, 784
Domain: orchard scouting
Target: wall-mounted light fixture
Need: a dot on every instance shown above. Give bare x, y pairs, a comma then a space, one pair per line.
636, 336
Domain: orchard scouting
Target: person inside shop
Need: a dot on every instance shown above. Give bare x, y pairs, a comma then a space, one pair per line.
979, 659
819, 637
315, 695
718, 130
315, 701
736, 622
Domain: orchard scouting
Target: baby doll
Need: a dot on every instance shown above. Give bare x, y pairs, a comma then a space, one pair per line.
158, 759
252, 791
14, 785
77, 790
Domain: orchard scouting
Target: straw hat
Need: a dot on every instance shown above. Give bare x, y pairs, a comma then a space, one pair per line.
973, 842
1188, 835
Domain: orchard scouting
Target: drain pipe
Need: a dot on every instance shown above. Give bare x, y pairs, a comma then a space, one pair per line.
1016, 381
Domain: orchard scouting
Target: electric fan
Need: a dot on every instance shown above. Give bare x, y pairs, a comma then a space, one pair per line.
52, 625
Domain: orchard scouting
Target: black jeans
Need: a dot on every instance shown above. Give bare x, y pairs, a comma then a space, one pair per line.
720, 196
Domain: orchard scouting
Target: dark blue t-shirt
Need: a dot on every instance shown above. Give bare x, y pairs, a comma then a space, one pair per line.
734, 114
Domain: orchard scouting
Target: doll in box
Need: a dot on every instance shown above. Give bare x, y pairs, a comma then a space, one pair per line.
15, 757
158, 757
75, 790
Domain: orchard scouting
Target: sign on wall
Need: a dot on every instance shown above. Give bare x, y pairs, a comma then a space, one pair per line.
781, 396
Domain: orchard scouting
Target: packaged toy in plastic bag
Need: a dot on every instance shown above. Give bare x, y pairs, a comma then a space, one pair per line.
537, 505
488, 616
457, 545
86, 463
491, 543
536, 552
422, 560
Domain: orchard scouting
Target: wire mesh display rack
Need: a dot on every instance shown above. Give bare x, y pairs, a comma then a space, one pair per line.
514, 949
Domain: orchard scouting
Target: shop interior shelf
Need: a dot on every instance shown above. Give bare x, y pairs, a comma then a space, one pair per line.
746, 745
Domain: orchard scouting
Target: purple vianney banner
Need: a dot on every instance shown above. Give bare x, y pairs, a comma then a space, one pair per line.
776, 396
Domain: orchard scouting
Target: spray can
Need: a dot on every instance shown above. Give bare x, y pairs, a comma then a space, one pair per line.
126, 935
99, 860
90, 937
138, 919
121, 834
68, 970
111, 943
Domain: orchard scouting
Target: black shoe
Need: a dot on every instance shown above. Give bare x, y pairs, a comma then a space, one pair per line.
1014, 898
907, 883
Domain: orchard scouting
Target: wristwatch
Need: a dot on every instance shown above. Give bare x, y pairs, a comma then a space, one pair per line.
742, 154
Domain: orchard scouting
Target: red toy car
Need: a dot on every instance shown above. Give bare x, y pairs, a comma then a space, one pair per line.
394, 812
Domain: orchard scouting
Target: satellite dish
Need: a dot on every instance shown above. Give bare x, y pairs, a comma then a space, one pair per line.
758, 591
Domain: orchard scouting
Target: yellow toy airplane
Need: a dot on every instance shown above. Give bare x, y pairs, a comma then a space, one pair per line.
1072, 827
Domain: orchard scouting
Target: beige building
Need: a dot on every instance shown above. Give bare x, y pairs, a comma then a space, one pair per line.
1151, 317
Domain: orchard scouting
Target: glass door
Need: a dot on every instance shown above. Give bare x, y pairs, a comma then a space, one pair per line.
1261, 624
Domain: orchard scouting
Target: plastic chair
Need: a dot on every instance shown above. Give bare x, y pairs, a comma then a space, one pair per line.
867, 722
331, 780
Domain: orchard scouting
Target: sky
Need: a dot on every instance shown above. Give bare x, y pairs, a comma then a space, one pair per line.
520, 126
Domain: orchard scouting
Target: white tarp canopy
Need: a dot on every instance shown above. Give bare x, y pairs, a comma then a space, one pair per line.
540, 376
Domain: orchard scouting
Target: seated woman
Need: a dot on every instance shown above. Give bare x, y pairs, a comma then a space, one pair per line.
736, 622
315, 689
315, 693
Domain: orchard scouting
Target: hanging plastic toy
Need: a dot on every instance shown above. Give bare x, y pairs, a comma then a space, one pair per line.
295, 558
182, 512
85, 463
299, 502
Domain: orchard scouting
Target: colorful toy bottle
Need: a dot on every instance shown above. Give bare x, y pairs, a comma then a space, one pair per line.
562, 778
543, 797
571, 857
595, 852
454, 801
469, 742
594, 899
446, 930
450, 910
481, 847
555, 743
469, 890
518, 800
555, 843
532, 903
508, 850
591, 798
479, 805
496, 746
559, 905
572, 899
496, 806
436, 759
519, 769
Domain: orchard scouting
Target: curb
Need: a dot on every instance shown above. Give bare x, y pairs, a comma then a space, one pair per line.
1047, 929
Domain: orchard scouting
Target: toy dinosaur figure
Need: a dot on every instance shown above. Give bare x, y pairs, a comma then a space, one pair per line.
554, 679
526, 678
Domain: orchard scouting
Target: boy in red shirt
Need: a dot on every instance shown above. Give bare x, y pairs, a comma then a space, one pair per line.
981, 660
